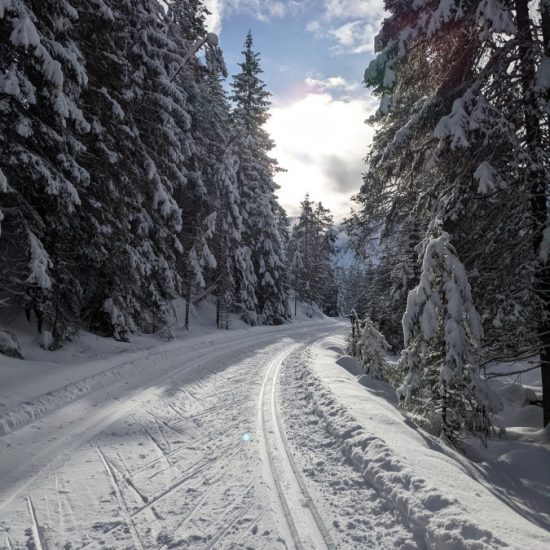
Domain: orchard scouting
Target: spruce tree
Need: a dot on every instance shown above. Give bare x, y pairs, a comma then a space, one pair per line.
442, 333
312, 251
368, 345
41, 176
263, 247
460, 86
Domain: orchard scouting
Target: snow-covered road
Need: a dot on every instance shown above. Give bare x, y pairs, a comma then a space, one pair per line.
186, 451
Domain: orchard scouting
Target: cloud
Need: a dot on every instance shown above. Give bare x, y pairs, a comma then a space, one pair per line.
261, 10
367, 9
321, 141
214, 20
355, 37
351, 24
343, 173
335, 84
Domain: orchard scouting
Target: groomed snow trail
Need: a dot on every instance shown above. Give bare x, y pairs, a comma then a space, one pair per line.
304, 522
187, 451
356, 514
238, 443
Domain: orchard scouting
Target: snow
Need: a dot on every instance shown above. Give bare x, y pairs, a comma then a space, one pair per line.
4, 5
488, 178
543, 73
46, 340
455, 125
164, 202
4, 188
9, 84
228, 439
545, 245
440, 491
500, 20
51, 68
39, 264
152, 453
24, 32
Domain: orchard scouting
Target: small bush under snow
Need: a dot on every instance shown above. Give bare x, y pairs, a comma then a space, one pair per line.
9, 345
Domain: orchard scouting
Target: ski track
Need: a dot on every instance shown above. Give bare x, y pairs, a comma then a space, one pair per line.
155, 460
304, 523
359, 516
160, 461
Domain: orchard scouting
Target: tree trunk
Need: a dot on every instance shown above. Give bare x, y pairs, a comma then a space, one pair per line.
537, 187
187, 304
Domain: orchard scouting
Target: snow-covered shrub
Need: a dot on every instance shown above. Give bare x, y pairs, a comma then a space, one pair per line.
9, 345
115, 321
442, 330
368, 344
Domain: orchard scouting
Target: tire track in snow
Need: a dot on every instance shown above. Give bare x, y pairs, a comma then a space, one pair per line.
304, 522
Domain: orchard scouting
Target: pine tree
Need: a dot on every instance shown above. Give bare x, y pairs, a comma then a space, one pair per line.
263, 247
459, 88
137, 151
296, 272
312, 249
368, 344
442, 332
113, 266
222, 170
41, 177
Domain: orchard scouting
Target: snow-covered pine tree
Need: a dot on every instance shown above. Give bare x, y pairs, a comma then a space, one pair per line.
313, 239
221, 169
295, 272
41, 178
367, 343
442, 332
189, 16
459, 87
212, 222
302, 243
324, 283
109, 157
353, 283
116, 267
131, 100
159, 94
262, 243
390, 278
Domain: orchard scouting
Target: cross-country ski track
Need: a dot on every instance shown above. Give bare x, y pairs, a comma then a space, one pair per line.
208, 444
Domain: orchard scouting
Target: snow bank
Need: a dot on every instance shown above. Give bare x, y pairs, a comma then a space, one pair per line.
305, 312
415, 473
47, 380
106, 372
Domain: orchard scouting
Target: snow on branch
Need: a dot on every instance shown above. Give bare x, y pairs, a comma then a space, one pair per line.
39, 264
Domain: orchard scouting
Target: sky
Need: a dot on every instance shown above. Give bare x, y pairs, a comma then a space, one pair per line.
314, 54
